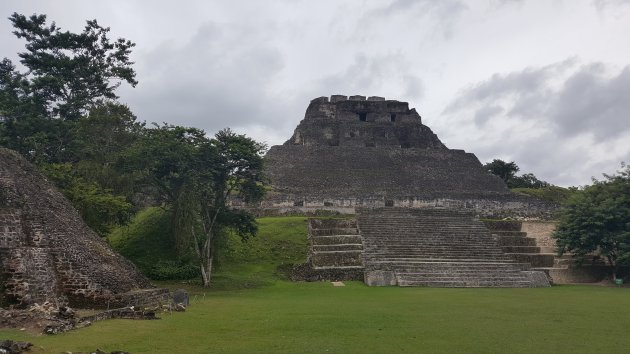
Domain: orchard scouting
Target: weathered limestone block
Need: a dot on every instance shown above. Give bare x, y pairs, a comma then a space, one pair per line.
357, 98
380, 278
337, 98
47, 253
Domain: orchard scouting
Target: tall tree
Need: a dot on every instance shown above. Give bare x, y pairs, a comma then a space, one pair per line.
197, 178
67, 75
71, 71
505, 170
597, 220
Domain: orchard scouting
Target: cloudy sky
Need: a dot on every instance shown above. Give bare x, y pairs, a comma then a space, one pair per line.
544, 83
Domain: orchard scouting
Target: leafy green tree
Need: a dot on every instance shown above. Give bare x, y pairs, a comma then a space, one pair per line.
100, 208
69, 71
505, 170
197, 178
527, 180
67, 75
597, 220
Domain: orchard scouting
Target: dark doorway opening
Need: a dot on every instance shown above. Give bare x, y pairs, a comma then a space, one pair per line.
363, 117
392, 117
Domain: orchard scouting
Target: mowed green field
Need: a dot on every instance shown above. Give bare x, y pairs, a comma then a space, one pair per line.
251, 309
319, 318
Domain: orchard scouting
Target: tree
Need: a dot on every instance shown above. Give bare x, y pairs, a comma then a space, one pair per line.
68, 72
505, 170
67, 75
196, 178
597, 220
527, 180
100, 208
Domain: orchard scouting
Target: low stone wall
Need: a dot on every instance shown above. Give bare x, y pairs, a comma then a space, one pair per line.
495, 207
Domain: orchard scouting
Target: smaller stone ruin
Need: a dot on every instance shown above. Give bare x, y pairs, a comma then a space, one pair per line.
48, 254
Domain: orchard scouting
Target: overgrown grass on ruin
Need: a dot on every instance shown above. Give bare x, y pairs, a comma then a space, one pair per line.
252, 309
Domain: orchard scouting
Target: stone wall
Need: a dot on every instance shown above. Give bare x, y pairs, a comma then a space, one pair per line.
47, 252
541, 231
363, 123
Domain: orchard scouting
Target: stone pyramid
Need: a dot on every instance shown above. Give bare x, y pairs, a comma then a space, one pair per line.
47, 253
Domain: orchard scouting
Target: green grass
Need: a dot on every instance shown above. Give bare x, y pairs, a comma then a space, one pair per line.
250, 309
146, 240
281, 241
318, 318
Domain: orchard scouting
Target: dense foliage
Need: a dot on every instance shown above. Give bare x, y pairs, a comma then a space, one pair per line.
554, 194
197, 178
507, 172
597, 220
62, 114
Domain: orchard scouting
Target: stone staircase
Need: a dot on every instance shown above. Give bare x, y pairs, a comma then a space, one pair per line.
336, 249
559, 269
437, 248
517, 245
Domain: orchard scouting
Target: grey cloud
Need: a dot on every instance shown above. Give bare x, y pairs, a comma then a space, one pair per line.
579, 115
483, 114
602, 5
442, 13
592, 102
370, 76
414, 87
528, 84
217, 78
586, 101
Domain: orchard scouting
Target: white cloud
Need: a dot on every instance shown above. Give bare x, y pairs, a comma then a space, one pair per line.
561, 121
490, 77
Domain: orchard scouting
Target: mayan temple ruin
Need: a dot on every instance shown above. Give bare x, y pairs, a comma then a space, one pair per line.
418, 204
48, 254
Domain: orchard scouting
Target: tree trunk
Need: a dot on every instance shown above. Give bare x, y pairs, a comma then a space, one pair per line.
613, 266
206, 262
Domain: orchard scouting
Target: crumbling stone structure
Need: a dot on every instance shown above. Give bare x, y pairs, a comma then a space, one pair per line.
416, 201
351, 152
47, 253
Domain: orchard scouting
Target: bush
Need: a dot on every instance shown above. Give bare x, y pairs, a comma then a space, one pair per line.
173, 270
552, 194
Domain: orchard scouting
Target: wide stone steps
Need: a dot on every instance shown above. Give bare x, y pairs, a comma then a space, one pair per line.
336, 239
535, 259
433, 256
516, 241
338, 247
509, 233
472, 283
437, 247
335, 245
427, 246
436, 266
521, 249
334, 231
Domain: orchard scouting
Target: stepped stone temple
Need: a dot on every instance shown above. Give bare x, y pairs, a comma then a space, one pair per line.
47, 253
357, 152
417, 203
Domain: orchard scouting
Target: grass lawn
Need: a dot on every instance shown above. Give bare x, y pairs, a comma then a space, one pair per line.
318, 318
251, 309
